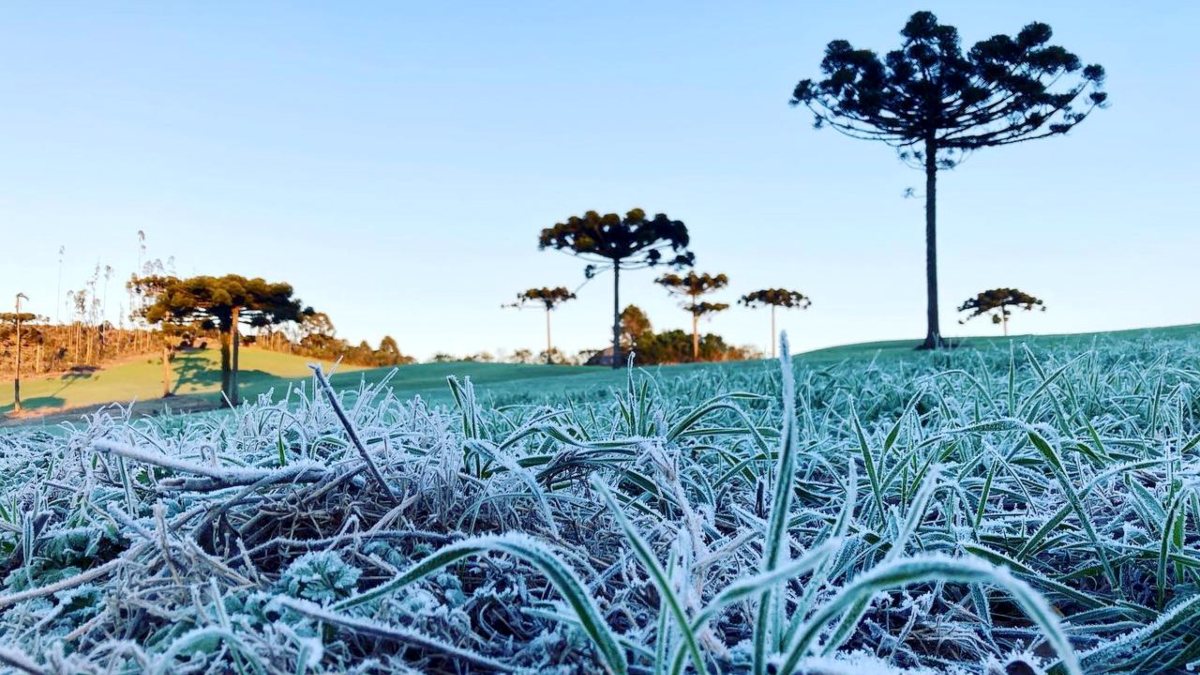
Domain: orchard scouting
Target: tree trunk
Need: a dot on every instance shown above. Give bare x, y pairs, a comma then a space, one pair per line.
616, 314
38, 367
17, 370
226, 360
166, 369
695, 326
237, 343
1004, 322
773, 338
549, 345
695, 337
933, 334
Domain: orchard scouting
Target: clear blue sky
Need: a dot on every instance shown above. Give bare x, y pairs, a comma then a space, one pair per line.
396, 161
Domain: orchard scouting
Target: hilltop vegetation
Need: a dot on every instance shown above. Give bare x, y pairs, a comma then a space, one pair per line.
1029, 508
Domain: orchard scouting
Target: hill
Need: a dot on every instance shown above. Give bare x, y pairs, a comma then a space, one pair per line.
197, 375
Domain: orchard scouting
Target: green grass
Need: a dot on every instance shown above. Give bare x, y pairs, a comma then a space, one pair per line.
1009, 506
197, 374
194, 374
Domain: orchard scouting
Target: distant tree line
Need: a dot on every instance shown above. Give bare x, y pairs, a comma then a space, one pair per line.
48, 348
315, 336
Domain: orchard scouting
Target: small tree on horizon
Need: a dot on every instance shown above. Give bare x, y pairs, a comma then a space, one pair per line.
222, 303
389, 353
17, 318
691, 286
776, 298
613, 242
550, 298
999, 302
934, 104
634, 324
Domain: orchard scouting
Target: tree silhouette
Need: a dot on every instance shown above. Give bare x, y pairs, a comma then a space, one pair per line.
222, 303
776, 298
692, 286
17, 318
550, 298
934, 104
613, 242
1000, 301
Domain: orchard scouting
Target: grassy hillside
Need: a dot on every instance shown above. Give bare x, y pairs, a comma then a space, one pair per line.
194, 373
197, 374
984, 509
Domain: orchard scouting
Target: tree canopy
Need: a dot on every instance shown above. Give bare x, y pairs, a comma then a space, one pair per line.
212, 302
614, 242
9, 320
549, 297
14, 317
632, 241
634, 324
934, 102
1003, 90
776, 297
221, 303
691, 286
700, 309
1000, 302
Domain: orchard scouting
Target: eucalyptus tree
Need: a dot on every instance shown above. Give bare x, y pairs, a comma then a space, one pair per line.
776, 298
610, 241
691, 286
999, 302
550, 298
222, 303
935, 104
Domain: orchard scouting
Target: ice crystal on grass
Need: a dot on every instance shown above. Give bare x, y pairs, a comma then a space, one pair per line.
320, 576
1032, 509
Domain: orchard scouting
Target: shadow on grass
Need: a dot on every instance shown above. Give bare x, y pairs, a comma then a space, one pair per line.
35, 403
197, 373
193, 370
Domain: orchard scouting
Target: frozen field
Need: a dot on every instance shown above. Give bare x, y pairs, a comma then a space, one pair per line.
996, 508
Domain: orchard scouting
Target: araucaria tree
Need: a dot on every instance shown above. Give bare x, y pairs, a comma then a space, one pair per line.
618, 243
222, 303
691, 286
775, 298
16, 319
1000, 302
550, 298
935, 104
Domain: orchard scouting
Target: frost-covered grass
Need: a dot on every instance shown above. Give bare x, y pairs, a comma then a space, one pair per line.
994, 509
